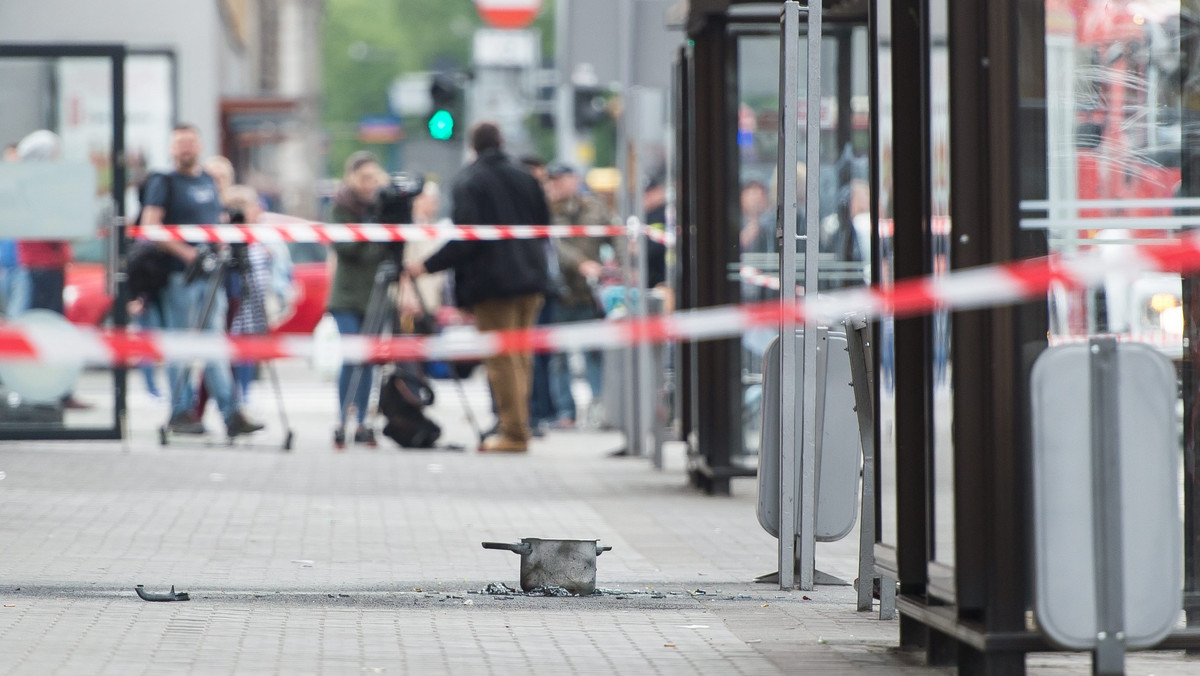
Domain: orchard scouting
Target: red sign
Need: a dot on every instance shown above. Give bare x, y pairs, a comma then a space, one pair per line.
508, 13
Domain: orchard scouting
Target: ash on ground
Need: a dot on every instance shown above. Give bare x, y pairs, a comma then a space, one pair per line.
503, 590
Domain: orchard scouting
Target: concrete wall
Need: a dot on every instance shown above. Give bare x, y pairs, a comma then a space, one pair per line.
191, 27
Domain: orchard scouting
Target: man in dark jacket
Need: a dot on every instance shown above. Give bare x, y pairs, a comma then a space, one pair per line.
501, 282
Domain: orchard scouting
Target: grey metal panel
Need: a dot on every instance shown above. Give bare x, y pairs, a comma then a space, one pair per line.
789, 429
809, 465
592, 30
1065, 568
838, 454
655, 44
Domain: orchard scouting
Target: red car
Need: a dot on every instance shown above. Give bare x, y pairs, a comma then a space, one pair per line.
86, 299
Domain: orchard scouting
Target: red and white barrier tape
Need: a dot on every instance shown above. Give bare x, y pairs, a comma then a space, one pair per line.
328, 233
756, 277
962, 290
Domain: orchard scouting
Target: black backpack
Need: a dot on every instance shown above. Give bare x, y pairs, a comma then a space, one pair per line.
402, 395
147, 267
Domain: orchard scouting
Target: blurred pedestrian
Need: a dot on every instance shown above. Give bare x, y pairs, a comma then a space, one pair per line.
580, 266
542, 413
222, 173
501, 281
756, 234
425, 209
221, 170
353, 279
183, 196
654, 206
14, 280
536, 167
44, 261
262, 284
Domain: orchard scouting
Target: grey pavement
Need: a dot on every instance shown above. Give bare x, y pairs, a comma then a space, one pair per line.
369, 561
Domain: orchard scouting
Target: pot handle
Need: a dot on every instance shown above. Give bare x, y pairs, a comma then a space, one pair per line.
522, 548
600, 550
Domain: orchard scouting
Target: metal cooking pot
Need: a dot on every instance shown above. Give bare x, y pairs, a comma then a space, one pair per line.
570, 564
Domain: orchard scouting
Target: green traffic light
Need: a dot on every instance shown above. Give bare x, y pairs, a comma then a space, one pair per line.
441, 125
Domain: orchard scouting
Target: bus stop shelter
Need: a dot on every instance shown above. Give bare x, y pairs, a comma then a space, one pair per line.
1063, 127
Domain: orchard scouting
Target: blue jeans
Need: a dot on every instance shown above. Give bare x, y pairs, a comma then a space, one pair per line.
151, 318
15, 285
541, 404
560, 369
181, 305
349, 323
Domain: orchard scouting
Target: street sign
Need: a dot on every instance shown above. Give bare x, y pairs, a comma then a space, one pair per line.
1107, 537
379, 129
508, 13
409, 95
504, 49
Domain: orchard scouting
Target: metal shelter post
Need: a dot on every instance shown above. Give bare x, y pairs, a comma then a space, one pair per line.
808, 454
644, 389
1109, 656
789, 53
798, 479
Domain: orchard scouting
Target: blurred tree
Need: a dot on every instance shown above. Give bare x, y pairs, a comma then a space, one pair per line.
366, 44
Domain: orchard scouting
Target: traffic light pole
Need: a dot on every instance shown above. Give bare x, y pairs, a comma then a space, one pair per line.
564, 130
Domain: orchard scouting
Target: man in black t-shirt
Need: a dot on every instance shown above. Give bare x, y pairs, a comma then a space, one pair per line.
191, 199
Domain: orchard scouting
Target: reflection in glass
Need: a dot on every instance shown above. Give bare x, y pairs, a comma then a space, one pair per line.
885, 349
1114, 144
844, 189
1115, 78
940, 232
758, 261
60, 112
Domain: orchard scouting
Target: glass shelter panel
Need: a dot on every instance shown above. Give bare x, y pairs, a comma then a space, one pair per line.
55, 264
1114, 145
844, 189
939, 238
1117, 176
885, 348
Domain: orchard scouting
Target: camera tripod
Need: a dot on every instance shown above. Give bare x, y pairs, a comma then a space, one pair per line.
381, 319
218, 267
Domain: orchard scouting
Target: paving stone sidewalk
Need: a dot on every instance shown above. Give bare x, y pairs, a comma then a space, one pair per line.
369, 561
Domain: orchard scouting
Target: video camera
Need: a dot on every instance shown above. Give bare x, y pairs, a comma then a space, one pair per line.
394, 205
394, 201
208, 259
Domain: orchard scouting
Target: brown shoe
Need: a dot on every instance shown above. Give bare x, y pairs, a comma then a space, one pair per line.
497, 443
73, 404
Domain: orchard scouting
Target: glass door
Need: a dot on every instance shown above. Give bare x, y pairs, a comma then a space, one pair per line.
64, 111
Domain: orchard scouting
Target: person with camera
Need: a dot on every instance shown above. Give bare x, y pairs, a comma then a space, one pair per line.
188, 195
502, 281
353, 280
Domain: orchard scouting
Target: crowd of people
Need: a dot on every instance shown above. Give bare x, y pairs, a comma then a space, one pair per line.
496, 285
